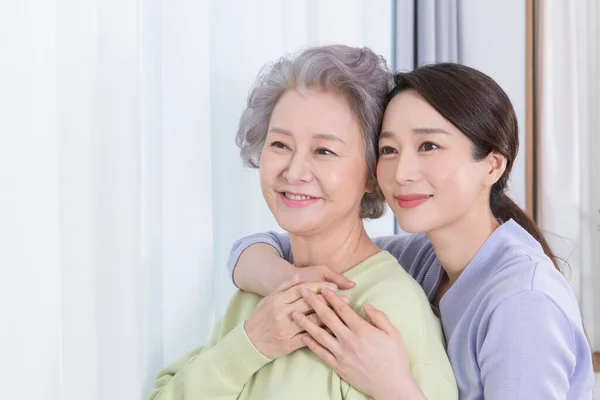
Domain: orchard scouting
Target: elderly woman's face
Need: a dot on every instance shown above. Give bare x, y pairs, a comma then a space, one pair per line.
313, 171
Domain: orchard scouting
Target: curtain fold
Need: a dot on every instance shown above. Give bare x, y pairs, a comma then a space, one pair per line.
567, 111
426, 32
122, 186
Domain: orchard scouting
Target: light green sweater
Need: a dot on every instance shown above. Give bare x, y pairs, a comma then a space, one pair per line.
230, 367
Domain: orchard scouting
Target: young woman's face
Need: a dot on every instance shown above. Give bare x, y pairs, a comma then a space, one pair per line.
313, 170
426, 168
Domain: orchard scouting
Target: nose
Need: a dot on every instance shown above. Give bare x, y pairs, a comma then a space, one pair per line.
407, 169
299, 169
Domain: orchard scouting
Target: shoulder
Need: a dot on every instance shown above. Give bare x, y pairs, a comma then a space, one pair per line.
535, 318
522, 275
414, 252
386, 279
389, 288
399, 244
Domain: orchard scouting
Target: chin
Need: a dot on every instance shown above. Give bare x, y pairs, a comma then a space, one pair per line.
296, 226
415, 223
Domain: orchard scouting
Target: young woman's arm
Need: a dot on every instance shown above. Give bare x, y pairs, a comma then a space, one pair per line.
261, 262
531, 349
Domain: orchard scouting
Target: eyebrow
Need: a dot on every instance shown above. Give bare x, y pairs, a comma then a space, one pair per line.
429, 130
419, 131
324, 136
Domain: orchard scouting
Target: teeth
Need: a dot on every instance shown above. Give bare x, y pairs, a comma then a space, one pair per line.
296, 196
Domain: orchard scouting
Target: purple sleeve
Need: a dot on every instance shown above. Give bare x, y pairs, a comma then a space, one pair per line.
531, 350
279, 241
413, 251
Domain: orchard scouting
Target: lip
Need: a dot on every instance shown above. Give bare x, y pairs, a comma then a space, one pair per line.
412, 200
297, 203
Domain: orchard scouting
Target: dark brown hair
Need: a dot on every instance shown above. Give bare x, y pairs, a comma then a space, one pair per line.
476, 105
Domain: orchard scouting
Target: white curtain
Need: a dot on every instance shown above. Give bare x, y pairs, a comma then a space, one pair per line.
569, 145
121, 186
426, 31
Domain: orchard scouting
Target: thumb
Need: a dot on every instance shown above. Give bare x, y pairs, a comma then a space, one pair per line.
380, 320
340, 280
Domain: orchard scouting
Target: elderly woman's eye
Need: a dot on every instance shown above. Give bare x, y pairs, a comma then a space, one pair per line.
324, 152
385, 150
279, 145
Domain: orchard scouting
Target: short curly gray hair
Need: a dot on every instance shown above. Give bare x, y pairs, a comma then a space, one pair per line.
357, 73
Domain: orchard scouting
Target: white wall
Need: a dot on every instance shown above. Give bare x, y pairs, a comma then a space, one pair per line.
492, 39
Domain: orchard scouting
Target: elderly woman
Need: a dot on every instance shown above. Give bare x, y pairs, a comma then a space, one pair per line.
311, 127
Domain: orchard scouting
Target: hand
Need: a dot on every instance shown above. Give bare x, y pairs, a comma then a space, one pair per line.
271, 328
373, 359
321, 273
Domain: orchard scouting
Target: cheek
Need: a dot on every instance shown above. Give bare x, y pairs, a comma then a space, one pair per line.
386, 172
455, 177
269, 168
343, 180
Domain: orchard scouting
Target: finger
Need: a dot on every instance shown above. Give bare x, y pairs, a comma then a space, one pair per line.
380, 320
302, 306
314, 318
298, 341
296, 279
344, 311
295, 292
340, 280
325, 355
317, 333
344, 298
326, 314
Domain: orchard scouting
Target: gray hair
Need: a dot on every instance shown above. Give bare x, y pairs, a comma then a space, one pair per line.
357, 73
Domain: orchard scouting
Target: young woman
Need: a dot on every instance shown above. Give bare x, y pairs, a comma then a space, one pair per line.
512, 325
311, 127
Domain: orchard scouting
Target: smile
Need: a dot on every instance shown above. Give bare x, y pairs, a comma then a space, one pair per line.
412, 200
294, 200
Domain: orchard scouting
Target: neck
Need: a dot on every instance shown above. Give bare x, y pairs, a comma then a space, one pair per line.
456, 244
340, 247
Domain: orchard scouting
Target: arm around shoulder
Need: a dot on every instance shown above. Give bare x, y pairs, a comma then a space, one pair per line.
257, 264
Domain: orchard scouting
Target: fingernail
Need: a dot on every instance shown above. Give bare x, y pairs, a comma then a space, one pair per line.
297, 316
305, 292
307, 340
331, 286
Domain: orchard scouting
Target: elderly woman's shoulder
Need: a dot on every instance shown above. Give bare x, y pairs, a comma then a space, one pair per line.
387, 284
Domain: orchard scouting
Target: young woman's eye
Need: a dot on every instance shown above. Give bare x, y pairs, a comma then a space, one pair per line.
428, 146
385, 150
279, 145
322, 151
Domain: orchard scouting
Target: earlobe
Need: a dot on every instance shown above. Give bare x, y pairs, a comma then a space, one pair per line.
371, 186
497, 166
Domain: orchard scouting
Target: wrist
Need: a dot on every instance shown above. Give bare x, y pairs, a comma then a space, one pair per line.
252, 336
285, 272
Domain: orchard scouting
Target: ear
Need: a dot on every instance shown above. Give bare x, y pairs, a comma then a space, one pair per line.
495, 163
371, 186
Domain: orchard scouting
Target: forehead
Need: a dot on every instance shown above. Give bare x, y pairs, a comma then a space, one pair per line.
410, 109
315, 111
